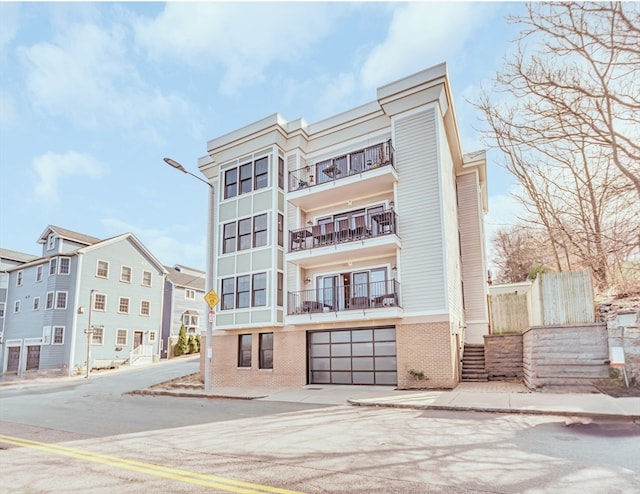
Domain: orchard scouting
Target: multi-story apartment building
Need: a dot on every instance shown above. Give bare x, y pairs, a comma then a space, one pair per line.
8, 259
113, 286
351, 250
183, 304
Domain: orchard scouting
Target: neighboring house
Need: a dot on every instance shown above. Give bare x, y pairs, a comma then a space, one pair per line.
113, 285
8, 259
183, 304
349, 251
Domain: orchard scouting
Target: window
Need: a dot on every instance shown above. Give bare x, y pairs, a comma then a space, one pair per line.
189, 294
51, 241
102, 269
261, 179
58, 335
266, 350
245, 178
16, 306
49, 301
61, 300
244, 350
259, 293
146, 278
97, 338
243, 292
280, 292
36, 303
19, 278
229, 238
38, 273
191, 321
228, 292
52, 266
125, 274
260, 230
280, 230
152, 336
145, 307
280, 172
231, 183
1, 309
64, 265
123, 305
46, 335
100, 302
244, 234
121, 337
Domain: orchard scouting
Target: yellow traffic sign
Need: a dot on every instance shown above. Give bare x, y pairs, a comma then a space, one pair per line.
212, 298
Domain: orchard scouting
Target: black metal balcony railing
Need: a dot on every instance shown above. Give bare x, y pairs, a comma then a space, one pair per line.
343, 166
371, 225
378, 294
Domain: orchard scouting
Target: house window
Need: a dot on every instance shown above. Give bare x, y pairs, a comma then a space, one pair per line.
16, 306
121, 337
100, 302
36, 303
280, 292
244, 234
1, 309
58, 335
259, 292
243, 291
52, 266
245, 178
97, 338
64, 265
229, 237
145, 307
261, 173
102, 269
244, 350
280, 172
228, 292
189, 294
123, 305
61, 300
231, 183
49, 301
51, 241
19, 278
152, 336
266, 350
146, 278
190, 321
280, 230
260, 230
125, 274
46, 335
38, 273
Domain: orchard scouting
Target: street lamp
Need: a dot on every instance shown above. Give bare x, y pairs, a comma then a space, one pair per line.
89, 332
210, 281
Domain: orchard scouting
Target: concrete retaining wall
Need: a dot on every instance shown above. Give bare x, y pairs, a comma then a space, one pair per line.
503, 356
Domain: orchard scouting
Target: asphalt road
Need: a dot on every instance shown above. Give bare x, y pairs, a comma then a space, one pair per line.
90, 437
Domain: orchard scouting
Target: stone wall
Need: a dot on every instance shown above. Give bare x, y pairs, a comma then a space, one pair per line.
567, 355
503, 356
623, 331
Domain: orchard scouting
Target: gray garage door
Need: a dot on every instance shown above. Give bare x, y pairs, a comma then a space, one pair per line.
353, 356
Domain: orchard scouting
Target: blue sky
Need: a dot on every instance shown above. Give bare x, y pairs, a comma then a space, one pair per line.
94, 95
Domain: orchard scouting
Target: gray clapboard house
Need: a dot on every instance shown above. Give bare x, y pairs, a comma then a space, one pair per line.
114, 285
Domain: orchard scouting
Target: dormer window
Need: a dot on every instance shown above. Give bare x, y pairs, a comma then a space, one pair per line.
51, 241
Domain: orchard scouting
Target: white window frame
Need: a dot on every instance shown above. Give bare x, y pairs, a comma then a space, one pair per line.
39, 273
46, 335
19, 278
128, 308
53, 266
36, 303
144, 274
1, 309
142, 303
126, 336
66, 299
16, 306
53, 335
50, 301
189, 294
122, 277
95, 340
98, 269
68, 263
95, 301
151, 337
51, 241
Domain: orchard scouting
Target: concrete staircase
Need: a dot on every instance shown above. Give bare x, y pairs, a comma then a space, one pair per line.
473, 368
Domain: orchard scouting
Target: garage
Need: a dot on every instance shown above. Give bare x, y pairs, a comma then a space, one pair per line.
353, 356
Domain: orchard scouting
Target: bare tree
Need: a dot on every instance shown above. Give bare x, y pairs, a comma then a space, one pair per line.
518, 250
568, 124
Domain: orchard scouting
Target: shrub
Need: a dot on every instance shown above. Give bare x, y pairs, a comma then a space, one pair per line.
182, 346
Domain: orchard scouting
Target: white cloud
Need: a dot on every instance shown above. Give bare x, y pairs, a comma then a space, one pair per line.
51, 168
244, 38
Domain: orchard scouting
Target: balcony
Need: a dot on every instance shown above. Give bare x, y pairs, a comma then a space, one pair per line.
341, 298
363, 172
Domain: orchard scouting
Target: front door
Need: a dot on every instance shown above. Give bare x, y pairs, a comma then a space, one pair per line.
13, 359
33, 357
137, 338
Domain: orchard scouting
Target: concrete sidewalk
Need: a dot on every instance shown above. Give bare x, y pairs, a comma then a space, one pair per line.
500, 397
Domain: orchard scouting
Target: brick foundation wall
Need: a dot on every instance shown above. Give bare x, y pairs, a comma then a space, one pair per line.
503, 356
428, 348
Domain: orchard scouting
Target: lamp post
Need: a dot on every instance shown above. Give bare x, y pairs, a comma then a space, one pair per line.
89, 332
210, 280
